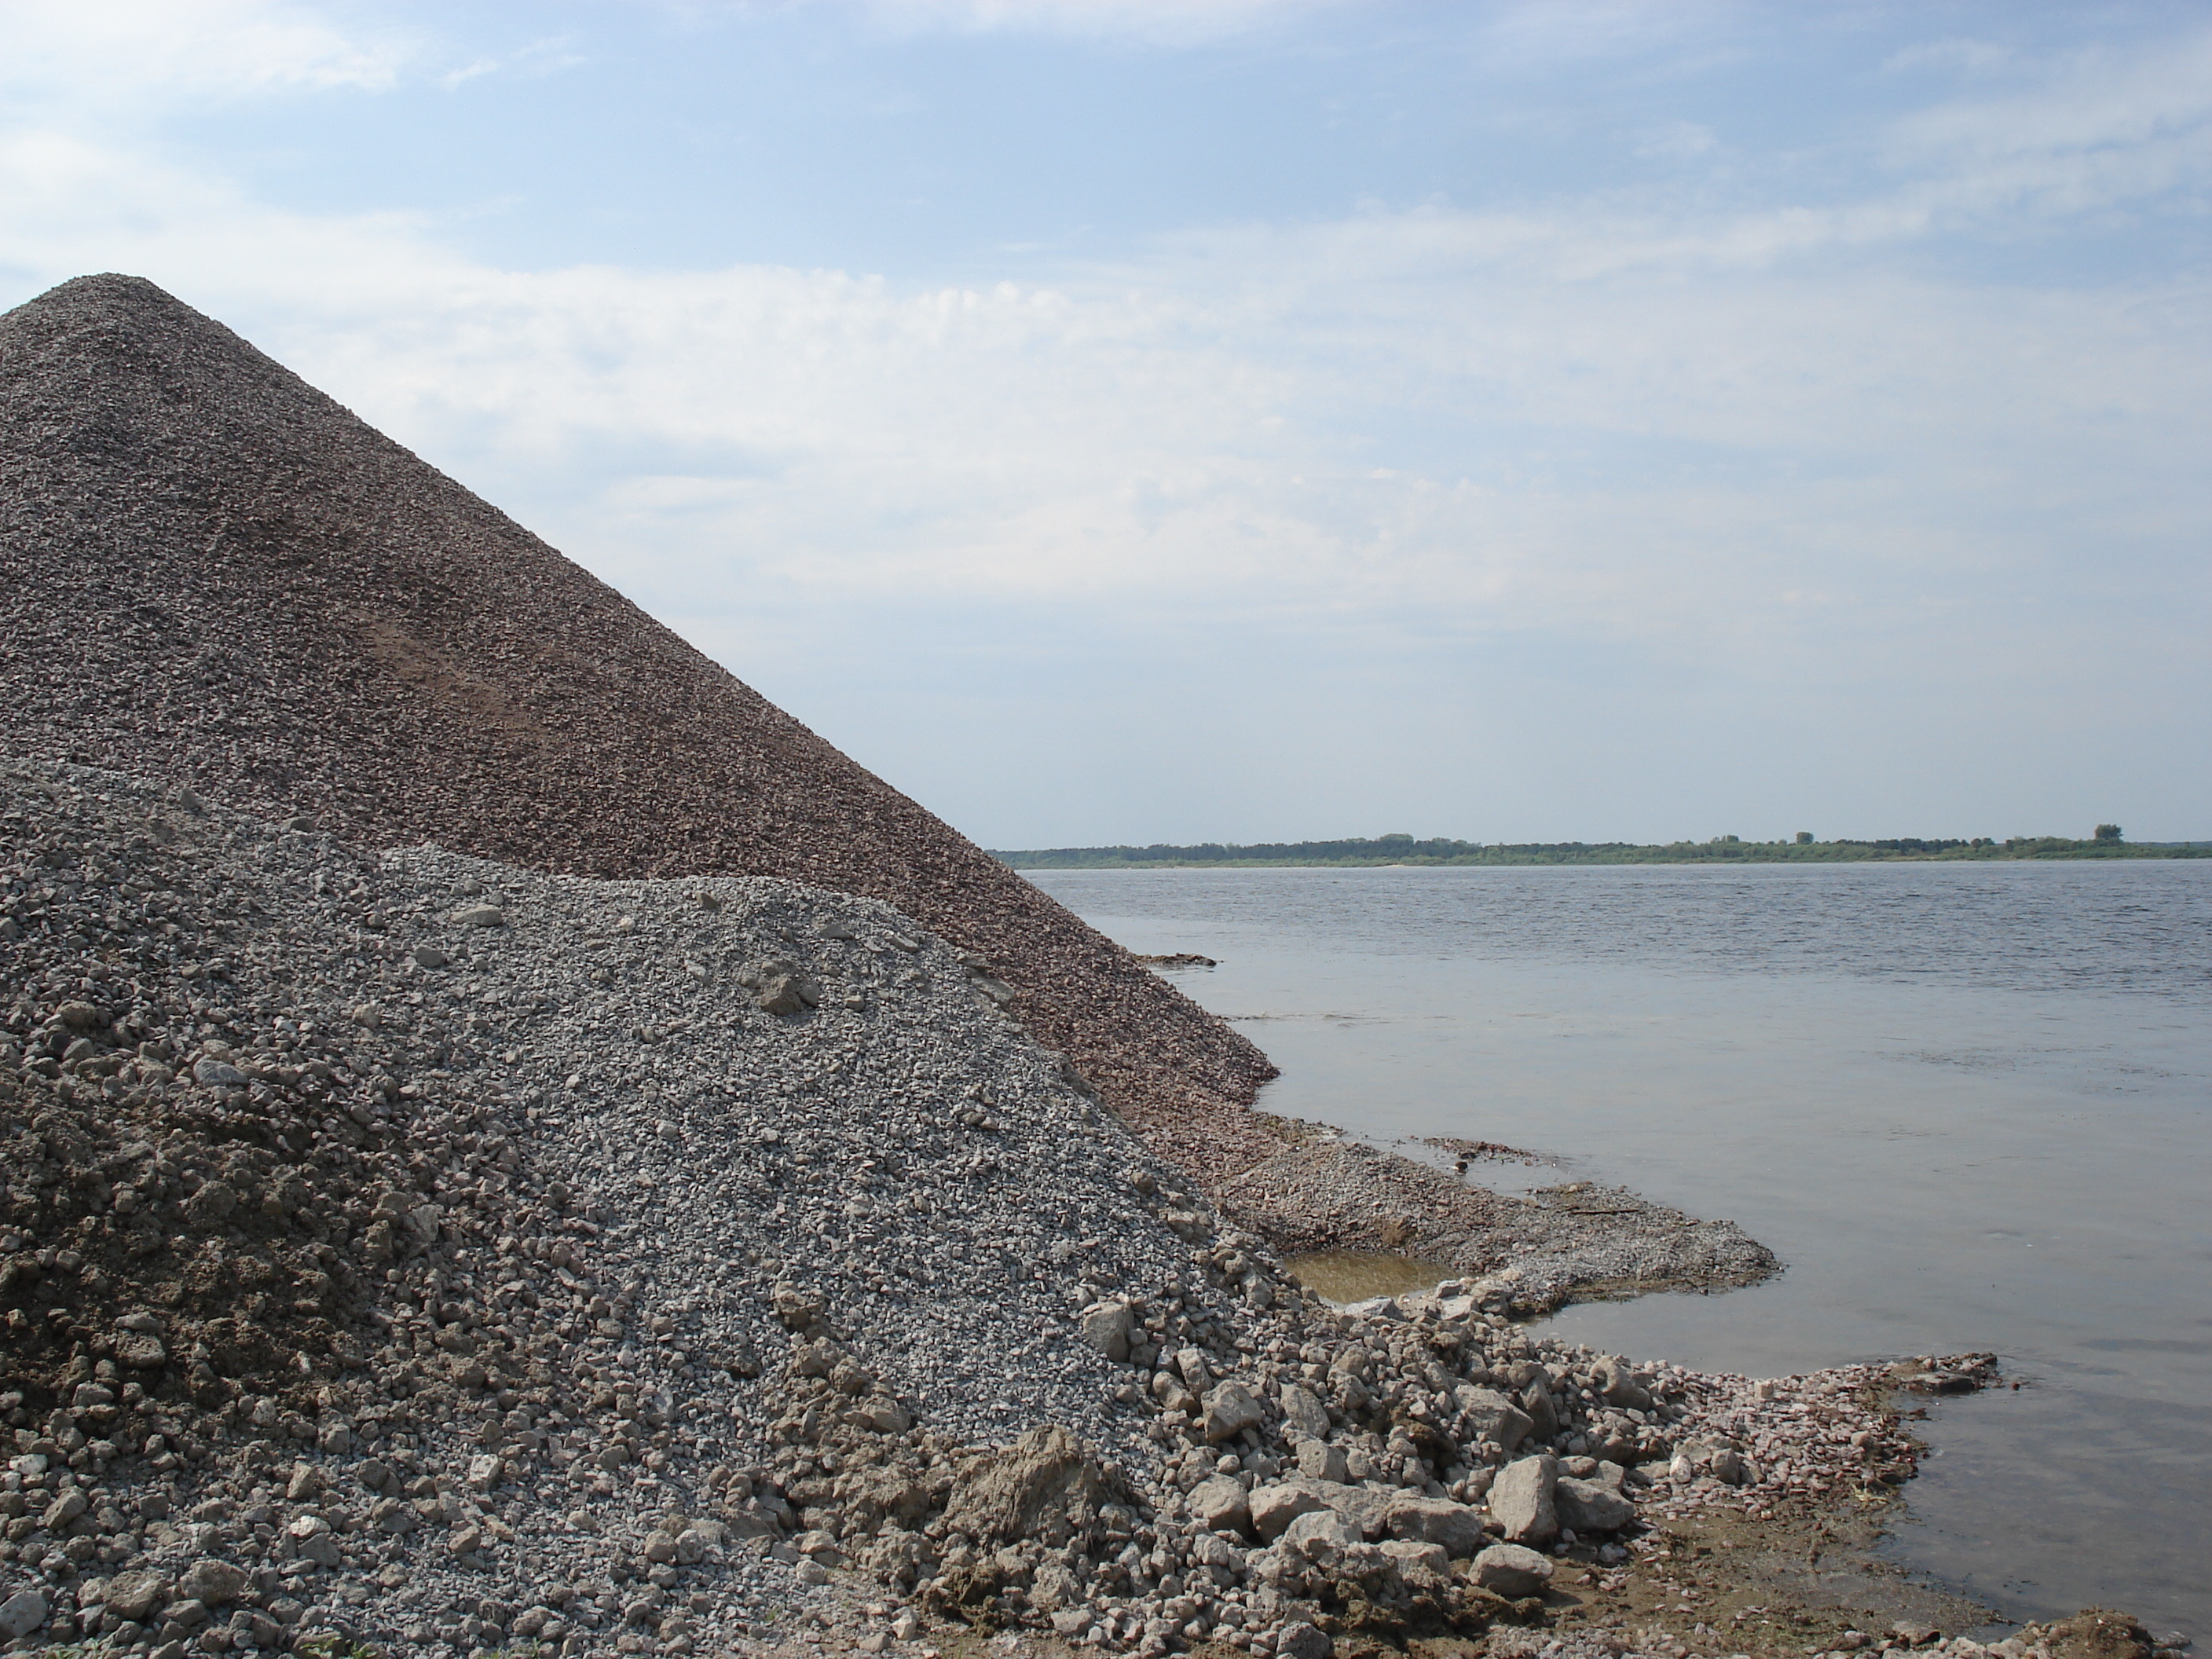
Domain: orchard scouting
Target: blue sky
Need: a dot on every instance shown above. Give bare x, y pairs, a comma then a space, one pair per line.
1248, 419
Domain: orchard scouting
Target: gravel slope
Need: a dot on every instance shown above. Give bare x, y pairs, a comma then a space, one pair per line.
270, 601
402, 1247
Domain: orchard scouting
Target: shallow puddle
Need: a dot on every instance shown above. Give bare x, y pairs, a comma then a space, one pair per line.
1355, 1275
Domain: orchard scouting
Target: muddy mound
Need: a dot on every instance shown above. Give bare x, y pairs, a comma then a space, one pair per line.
212, 573
1575, 1241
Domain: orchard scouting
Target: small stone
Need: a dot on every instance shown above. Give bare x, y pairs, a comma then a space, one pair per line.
1512, 1572
811, 1571
211, 1583
214, 1073
1303, 1641
484, 1472
467, 1542
480, 915
135, 1596
429, 955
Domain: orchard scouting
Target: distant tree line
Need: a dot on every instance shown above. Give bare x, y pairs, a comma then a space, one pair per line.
1370, 851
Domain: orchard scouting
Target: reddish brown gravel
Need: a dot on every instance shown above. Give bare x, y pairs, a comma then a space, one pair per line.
211, 573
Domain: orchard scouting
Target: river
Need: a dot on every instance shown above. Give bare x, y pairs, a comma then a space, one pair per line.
1970, 1106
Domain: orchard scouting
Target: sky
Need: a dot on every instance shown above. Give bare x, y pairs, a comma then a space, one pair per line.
1135, 420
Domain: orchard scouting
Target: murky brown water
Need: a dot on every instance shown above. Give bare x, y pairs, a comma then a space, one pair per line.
1355, 1275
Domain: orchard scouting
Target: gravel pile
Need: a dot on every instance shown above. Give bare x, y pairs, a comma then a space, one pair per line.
271, 603
406, 1248
212, 574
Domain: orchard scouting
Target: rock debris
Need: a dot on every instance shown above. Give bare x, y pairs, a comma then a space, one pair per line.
405, 1248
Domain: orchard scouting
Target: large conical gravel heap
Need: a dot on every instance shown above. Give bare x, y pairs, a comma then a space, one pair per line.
211, 573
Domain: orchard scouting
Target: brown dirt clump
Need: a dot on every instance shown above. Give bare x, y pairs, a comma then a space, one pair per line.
212, 573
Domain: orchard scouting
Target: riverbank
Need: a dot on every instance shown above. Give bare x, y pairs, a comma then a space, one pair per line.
407, 1249
1393, 853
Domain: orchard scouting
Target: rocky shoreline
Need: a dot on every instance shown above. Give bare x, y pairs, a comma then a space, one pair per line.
410, 1253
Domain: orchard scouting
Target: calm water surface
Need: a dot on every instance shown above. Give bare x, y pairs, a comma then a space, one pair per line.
1969, 1105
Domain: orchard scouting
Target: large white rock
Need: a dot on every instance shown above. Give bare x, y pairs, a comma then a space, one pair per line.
1521, 1500
1230, 1410
1323, 1535
1273, 1508
1512, 1572
1454, 1527
1589, 1506
1220, 1504
1303, 1411
1106, 1326
1493, 1416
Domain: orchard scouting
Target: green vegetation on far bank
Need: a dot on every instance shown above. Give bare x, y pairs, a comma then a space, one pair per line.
1361, 851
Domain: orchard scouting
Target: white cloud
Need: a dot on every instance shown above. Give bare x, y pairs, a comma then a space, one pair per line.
1152, 22
105, 57
1750, 438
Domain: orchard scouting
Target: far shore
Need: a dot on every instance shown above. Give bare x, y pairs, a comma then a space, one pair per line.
1407, 854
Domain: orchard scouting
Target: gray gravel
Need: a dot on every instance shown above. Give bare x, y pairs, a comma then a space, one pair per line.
403, 1247
273, 603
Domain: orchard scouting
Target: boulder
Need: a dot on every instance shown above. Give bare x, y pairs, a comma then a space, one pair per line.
1542, 1414
1220, 1504
1319, 1461
1323, 1534
1620, 1387
1274, 1508
1521, 1500
1512, 1572
1589, 1506
135, 1596
1107, 1327
1455, 1527
1367, 1509
1230, 1410
1053, 1588
1413, 1557
1197, 1377
1493, 1417
1303, 1411
21, 1614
